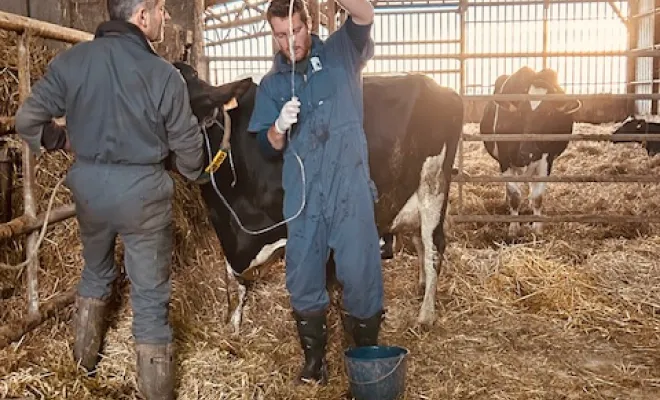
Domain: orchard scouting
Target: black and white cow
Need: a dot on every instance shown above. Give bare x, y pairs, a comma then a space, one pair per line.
527, 117
412, 127
632, 125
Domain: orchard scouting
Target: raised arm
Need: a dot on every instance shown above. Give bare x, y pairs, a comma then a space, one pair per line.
361, 10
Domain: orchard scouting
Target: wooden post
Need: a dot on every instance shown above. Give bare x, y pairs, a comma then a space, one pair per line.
29, 161
314, 14
197, 59
461, 147
5, 182
331, 14
631, 64
546, 6
23, 225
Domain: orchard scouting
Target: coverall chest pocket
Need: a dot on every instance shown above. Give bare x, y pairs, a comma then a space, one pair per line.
321, 104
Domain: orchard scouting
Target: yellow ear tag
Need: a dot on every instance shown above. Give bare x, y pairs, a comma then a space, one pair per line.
217, 161
231, 104
221, 154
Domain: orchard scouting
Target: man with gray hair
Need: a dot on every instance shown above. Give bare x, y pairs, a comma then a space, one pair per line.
126, 108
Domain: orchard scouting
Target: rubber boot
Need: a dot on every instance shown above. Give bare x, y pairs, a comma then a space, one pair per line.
155, 371
364, 332
313, 334
89, 329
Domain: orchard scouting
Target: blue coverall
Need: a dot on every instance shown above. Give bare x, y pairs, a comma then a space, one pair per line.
340, 195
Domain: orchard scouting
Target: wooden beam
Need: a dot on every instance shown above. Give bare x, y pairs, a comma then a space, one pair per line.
6, 125
6, 182
330, 14
197, 58
18, 23
23, 224
13, 332
236, 23
618, 12
218, 16
315, 14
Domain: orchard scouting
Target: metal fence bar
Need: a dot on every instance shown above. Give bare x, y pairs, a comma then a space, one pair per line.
461, 178
456, 56
582, 218
562, 97
559, 137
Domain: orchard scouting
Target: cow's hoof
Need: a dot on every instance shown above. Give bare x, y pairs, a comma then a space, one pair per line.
236, 323
514, 229
426, 318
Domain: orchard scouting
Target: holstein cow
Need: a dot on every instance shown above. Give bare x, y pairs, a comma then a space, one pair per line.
412, 127
632, 125
527, 117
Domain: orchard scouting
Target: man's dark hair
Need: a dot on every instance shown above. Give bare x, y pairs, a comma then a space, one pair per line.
123, 9
280, 9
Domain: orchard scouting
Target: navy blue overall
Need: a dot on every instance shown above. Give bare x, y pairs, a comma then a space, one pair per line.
340, 195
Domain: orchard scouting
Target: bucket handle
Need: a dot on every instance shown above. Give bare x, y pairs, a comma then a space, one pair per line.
382, 377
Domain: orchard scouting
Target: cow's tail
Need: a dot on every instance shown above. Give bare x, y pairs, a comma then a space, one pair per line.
452, 132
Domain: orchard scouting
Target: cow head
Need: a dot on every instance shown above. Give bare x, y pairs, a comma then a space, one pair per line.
543, 117
514, 84
205, 98
632, 125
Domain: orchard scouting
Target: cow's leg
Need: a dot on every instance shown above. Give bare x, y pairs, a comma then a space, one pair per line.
408, 220
419, 249
432, 203
266, 255
513, 197
537, 190
387, 246
241, 290
430, 206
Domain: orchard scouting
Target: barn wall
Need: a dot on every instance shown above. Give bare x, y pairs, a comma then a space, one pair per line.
14, 6
86, 15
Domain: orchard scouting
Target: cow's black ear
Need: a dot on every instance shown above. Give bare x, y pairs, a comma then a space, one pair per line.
223, 94
242, 86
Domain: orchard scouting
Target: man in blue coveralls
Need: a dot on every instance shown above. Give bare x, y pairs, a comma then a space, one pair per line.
326, 121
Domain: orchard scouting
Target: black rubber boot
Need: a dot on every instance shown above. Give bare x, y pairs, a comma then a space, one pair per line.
90, 326
155, 371
364, 332
313, 335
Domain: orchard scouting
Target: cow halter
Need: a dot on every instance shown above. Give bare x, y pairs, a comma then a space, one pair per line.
208, 123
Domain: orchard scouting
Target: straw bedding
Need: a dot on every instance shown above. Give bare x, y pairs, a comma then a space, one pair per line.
572, 314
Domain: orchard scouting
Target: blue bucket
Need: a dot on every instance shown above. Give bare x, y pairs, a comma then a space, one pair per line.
376, 372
